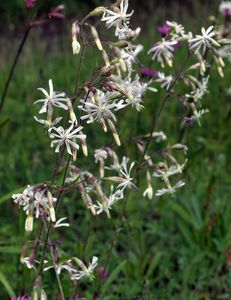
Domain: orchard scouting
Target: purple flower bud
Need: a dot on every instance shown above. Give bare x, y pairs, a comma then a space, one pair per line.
30, 3
57, 12
188, 121
226, 12
148, 72
163, 30
178, 45
102, 274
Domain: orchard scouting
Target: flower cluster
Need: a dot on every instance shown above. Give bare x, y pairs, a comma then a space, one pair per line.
36, 201
115, 85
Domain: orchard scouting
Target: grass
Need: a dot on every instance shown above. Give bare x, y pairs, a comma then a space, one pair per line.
167, 248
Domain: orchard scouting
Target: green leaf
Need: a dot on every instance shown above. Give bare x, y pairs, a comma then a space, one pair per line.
9, 195
113, 276
6, 284
10, 249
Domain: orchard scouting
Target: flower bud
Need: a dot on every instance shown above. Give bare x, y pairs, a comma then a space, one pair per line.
80, 264
75, 44
114, 132
100, 193
51, 207
35, 295
105, 58
120, 59
105, 71
43, 295
98, 11
29, 223
96, 38
220, 71
120, 44
84, 147
101, 168
74, 154
71, 111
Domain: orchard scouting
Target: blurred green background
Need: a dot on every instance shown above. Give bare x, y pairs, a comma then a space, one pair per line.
168, 248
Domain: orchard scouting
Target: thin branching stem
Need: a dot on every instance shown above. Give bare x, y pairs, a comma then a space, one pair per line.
12, 69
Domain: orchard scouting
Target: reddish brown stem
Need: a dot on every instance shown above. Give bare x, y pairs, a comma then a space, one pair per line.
15, 62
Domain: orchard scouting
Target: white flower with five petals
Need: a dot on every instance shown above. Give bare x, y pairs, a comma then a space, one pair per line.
66, 137
163, 51
118, 17
52, 99
204, 42
86, 271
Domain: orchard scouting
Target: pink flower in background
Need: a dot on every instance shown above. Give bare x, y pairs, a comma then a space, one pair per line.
148, 72
57, 12
102, 274
30, 3
20, 298
163, 30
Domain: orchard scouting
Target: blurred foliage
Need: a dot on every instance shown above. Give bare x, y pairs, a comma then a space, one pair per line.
169, 248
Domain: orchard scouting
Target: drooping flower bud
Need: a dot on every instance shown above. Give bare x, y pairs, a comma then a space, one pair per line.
98, 11
51, 206
105, 58
96, 38
29, 223
114, 132
75, 44
120, 59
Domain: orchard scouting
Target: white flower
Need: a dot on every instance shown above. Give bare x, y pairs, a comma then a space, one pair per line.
225, 8
41, 203
60, 224
86, 271
106, 206
125, 180
66, 137
197, 115
62, 266
148, 192
163, 51
166, 81
170, 190
166, 172
176, 169
125, 33
118, 17
198, 93
134, 90
51, 99
99, 108
26, 261
100, 154
129, 55
178, 32
46, 123
202, 42
159, 136
24, 198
